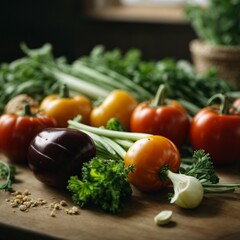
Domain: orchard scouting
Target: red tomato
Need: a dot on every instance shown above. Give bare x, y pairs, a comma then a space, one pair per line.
149, 155
16, 133
169, 120
218, 134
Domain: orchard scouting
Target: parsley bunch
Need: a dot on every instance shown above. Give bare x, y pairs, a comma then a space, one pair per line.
104, 184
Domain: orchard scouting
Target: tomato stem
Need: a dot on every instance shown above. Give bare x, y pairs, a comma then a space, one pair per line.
159, 98
163, 173
27, 110
64, 91
224, 105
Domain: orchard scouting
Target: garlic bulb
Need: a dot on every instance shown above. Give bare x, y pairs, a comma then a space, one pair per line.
188, 191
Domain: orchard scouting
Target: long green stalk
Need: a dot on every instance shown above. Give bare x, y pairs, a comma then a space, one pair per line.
110, 78
108, 133
91, 90
127, 82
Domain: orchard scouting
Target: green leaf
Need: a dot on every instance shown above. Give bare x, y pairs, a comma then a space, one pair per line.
7, 176
104, 184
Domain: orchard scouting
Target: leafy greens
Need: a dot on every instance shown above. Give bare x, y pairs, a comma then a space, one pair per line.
38, 74
104, 184
218, 23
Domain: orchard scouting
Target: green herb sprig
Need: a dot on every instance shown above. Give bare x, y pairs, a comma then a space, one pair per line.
201, 167
7, 176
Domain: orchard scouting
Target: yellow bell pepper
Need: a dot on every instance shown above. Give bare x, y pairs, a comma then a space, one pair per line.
118, 104
62, 107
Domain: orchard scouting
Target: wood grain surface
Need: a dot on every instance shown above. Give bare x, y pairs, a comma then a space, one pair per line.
216, 218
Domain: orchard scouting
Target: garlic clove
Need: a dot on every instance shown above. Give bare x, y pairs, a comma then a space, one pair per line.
188, 191
163, 217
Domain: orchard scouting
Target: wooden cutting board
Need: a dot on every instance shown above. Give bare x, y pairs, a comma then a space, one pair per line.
216, 218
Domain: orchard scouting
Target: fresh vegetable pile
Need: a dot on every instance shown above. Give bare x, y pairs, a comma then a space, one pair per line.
184, 84
39, 74
109, 122
157, 164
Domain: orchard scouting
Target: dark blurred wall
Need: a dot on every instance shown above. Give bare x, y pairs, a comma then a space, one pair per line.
38, 22
72, 34
156, 40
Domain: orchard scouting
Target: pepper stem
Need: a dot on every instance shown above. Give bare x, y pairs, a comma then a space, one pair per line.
159, 98
27, 110
224, 105
64, 91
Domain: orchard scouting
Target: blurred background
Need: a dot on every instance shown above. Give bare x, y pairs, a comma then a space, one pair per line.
158, 28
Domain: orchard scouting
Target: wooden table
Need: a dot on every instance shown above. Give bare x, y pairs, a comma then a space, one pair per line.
216, 218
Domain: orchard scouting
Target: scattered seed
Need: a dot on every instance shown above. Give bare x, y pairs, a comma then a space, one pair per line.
23, 207
63, 203
57, 206
72, 211
23, 202
53, 213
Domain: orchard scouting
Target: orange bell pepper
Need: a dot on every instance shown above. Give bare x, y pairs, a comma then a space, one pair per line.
63, 107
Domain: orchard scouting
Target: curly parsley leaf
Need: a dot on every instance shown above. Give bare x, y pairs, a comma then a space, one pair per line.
104, 184
7, 176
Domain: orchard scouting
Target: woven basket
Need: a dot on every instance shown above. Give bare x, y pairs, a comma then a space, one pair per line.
226, 59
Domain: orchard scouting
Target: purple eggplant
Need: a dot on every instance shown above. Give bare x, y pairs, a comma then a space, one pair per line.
55, 154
